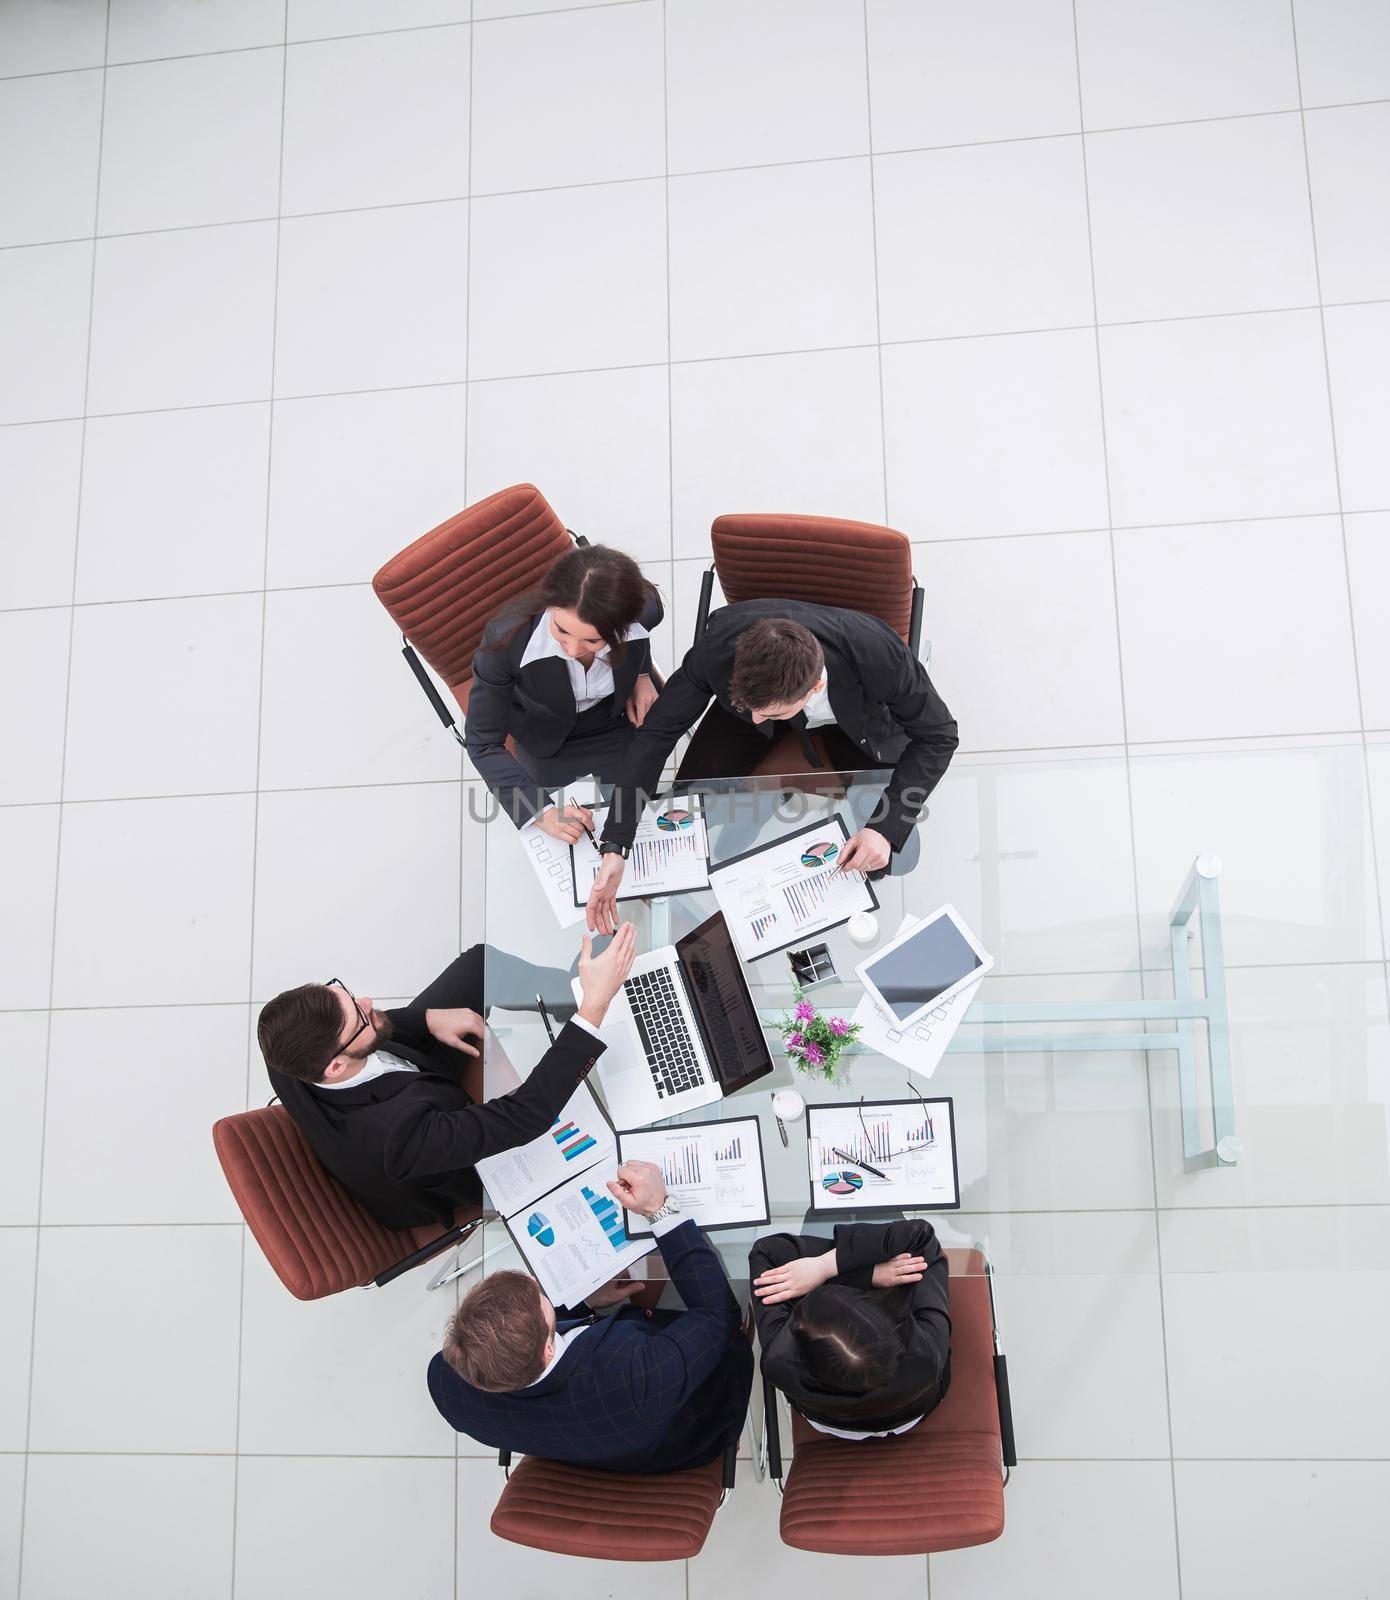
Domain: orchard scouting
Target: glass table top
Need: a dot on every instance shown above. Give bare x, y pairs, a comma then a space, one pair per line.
1067, 867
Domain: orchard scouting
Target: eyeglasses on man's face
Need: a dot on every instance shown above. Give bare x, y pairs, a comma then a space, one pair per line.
364, 1021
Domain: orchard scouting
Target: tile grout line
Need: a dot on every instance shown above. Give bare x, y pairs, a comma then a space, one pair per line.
1129, 797
703, 558
256, 803
58, 847
710, 360
651, 177
878, 296
463, 784
1341, 507
670, 413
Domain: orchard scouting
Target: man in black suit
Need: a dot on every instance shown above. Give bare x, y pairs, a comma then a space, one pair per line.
773, 664
379, 1095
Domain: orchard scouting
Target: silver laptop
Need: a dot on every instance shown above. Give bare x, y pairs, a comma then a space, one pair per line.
682, 1032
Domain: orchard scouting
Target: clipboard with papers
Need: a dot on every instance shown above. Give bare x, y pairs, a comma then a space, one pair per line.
780, 893
670, 852
714, 1169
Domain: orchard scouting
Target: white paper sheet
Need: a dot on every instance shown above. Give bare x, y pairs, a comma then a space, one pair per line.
923, 1178
550, 858
714, 1169
789, 890
670, 853
579, 1138
574, 1239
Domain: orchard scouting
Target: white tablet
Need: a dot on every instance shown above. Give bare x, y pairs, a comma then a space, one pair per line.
925, 966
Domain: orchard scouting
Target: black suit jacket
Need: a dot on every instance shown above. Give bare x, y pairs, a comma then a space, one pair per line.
533, 704
405, 1145
920, 1383
879, 691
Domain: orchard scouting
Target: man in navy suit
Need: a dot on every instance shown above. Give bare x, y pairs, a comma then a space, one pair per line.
639, 1391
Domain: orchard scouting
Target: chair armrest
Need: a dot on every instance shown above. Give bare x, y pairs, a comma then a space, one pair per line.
914, 627
702, 611
1006, 1410
426, 1252
770, 1428
427, 684
504, 1459
730, 1465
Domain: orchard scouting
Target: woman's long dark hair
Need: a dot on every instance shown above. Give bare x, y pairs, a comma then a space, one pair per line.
850, 1339
602, 586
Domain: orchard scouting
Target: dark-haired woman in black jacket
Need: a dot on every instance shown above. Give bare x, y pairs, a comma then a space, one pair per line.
855, 1330
565, 673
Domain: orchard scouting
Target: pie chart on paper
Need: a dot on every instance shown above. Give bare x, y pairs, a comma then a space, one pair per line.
842, 1182
819, 854
538, 1226
673, 821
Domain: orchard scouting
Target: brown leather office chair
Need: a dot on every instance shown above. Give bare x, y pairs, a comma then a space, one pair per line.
443, 590
829, 561
313, 1233
940, 1487
611, 1516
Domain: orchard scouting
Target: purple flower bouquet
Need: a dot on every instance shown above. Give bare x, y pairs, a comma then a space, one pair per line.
815, 1042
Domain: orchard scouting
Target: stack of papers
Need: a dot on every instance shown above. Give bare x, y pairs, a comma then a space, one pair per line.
553, 1195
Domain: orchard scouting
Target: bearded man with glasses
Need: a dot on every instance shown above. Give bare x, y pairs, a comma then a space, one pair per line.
380, 1095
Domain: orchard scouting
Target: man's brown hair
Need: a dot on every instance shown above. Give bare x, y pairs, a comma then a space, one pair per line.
298, 1031
496, 1339
775, 661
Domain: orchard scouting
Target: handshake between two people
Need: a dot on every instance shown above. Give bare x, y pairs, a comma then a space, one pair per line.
600, 978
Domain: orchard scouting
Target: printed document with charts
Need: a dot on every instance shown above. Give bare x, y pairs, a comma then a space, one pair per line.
921, 1045
553, 1195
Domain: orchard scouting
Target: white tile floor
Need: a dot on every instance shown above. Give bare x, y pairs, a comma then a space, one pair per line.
1091, 298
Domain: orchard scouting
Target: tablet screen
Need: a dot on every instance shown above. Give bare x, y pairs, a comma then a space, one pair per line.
935, 957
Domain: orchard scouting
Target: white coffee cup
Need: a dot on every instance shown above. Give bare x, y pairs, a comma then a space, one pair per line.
788, 1106
863, 927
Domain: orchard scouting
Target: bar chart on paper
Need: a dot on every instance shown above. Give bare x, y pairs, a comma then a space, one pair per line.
609, 1216
714, 1170
895, 1153
670, 853
789, 889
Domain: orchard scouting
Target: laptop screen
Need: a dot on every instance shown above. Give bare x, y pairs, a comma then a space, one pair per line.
727, 1015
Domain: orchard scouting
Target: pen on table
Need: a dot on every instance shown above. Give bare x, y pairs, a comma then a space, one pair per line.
856, 1163
781, 1128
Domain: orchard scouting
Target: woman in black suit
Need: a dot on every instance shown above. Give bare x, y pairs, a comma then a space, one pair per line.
566, 674
855, 1330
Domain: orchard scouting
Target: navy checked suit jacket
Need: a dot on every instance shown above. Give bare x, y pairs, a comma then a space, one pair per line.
641, 1391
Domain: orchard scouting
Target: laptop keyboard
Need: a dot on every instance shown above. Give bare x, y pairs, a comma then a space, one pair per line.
665, 1033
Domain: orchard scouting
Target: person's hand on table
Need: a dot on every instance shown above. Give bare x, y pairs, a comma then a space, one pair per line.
601, 912
865, 851
600, 977
641, 700
454, 1026
614, 1292
794, 1278
639, 1187
567, 823
898, 1270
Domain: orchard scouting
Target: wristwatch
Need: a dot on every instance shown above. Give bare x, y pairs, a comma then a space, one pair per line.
672, 1208
608, 848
